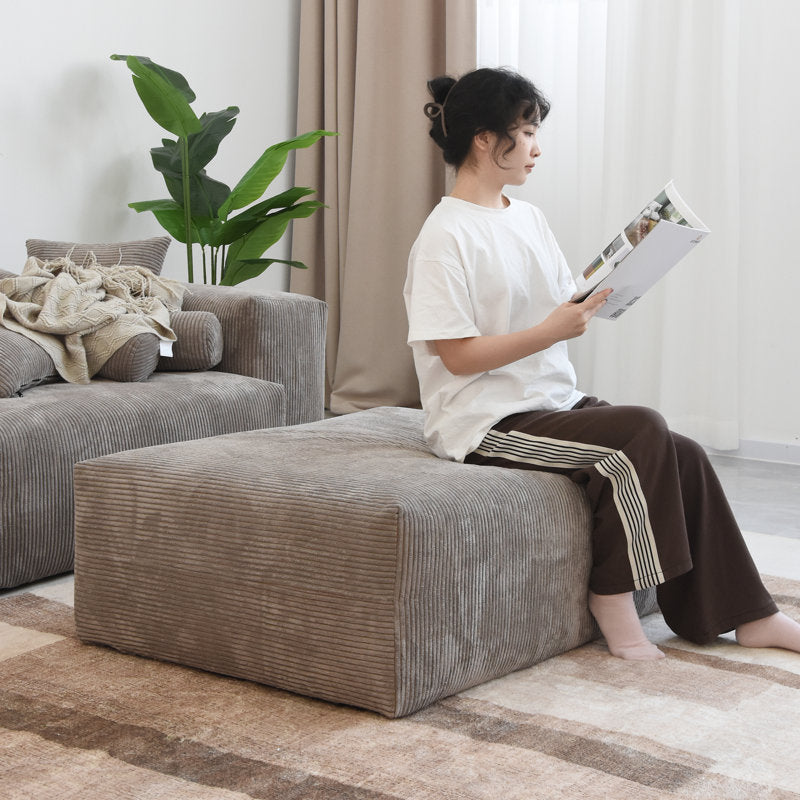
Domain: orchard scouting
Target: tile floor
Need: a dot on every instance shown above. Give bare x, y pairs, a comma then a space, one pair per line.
764, 495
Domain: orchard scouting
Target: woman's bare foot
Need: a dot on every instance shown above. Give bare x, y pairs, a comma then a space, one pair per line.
777, 630
619, 623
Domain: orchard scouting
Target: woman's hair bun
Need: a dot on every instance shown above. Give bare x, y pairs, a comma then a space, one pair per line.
440, 87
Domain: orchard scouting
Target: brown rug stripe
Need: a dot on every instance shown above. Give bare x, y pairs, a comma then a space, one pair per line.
39, 614
786, 593
781, 585
786, 601
586, 731
36, 769
669, 774
177, 757
769, 674
620, 761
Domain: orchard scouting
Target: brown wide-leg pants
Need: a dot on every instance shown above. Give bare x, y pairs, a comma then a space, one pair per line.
660, 515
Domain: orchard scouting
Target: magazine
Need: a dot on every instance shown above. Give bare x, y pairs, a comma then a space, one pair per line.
646, 249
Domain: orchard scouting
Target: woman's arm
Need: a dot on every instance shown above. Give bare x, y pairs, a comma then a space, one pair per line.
476, 354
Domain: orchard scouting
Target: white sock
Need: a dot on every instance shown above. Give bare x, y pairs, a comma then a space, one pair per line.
619, 623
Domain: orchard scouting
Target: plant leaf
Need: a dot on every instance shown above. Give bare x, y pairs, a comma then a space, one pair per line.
154, 205
203, 145
206, 229
282, 200
169, 75
166, 103
171, 218
256, 180
240, 225
268, 231
172, 221
253, 267
206, 195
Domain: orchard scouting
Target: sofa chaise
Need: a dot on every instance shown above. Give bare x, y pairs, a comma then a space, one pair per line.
249, 361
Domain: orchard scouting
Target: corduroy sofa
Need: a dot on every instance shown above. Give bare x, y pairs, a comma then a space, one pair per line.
271, 373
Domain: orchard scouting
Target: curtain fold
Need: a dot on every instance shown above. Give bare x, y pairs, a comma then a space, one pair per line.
363, 69
641, 93
673, 112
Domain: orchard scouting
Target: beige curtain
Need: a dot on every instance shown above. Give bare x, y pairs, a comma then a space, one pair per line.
364, 65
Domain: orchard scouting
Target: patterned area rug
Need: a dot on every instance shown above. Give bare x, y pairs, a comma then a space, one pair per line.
77, 721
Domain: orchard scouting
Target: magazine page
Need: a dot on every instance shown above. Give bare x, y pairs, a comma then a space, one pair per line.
675, 209
664, 246
604, 264
649, 246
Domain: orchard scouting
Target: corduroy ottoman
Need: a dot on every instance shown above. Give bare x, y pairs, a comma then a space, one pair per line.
337, 559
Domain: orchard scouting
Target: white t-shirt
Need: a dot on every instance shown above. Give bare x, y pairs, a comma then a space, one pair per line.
476, 271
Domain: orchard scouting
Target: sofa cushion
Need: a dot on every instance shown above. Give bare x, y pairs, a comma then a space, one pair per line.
149, 253
136, 360
44, 433
199, 342
23, 363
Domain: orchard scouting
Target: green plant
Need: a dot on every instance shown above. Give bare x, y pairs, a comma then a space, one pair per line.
199, 209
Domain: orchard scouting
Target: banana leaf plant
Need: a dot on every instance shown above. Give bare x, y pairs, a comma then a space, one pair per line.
201, 209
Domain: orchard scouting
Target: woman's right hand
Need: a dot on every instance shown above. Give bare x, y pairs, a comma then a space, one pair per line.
571, 319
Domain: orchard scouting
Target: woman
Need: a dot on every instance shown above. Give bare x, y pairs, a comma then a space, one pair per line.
488, 296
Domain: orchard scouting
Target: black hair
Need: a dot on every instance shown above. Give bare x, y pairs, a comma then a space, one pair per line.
485, 99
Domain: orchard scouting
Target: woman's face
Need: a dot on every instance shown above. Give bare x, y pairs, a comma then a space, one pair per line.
518, 161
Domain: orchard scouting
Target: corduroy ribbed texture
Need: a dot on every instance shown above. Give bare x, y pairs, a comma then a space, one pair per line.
339, 559
149, 253
199, 343
45, 432
36, 526
275, 336
23, 363
134, 361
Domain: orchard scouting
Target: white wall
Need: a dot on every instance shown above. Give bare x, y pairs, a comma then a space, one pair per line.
75, 138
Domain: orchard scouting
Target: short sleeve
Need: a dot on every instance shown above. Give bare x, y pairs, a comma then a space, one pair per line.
438, 302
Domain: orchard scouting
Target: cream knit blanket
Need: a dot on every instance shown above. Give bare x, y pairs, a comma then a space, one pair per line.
81, 315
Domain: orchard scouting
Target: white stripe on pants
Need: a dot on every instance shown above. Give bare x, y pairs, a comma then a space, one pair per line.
629, 499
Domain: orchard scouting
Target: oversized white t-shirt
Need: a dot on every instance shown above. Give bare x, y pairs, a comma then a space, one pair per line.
476, 271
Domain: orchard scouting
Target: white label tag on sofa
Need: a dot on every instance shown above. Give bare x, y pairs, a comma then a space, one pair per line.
166, 348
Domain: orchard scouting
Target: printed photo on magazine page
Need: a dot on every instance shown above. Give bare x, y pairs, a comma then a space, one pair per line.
655, 240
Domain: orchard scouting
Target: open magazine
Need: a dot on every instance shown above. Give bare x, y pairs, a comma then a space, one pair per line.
647, 248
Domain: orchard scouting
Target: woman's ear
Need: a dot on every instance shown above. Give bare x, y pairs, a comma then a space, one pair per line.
484, 141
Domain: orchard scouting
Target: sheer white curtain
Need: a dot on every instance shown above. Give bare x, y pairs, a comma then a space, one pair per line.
641, 92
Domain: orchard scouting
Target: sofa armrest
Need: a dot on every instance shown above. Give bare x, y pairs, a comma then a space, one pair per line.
275, 336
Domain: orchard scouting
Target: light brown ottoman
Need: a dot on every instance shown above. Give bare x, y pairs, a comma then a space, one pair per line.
337, 559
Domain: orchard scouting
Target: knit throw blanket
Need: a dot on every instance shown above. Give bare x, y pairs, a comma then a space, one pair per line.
81, 315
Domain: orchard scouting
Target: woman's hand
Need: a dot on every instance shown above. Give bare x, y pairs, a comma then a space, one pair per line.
475, 354
572, 319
